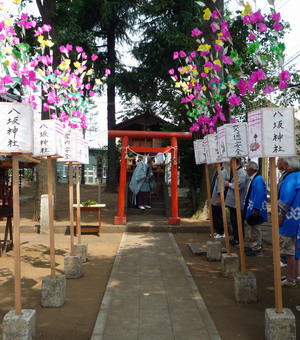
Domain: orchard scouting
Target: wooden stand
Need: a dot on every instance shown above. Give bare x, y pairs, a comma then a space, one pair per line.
224, 215
275, 238
51, 217
78, 222
208, 189
16, 212
71, 200
239, 216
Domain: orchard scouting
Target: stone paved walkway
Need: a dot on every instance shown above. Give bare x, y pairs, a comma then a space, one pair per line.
152, 295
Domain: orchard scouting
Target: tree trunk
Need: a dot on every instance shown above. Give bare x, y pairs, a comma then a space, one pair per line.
111, 182
47, 9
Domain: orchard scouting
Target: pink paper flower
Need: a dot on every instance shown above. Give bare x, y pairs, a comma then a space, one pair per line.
285, 75
227, 60
276, 17
242, 86
262, 28
252, 36
196, 32
268, 89
277, 26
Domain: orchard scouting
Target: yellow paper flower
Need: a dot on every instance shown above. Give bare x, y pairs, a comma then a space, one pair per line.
204, 47
89, 72
206, 14
17, 2
64, 65
204, 88
98, 81
217, 62
247, 10
48, 43
41, 72
8, 22
219, 42
2, 7
7, 50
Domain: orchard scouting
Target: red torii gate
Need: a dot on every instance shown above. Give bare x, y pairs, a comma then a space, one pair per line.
173, 219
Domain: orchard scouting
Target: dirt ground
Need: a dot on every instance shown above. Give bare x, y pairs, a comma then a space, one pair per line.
76, 319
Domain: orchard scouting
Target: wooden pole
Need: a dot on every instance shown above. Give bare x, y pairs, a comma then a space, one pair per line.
16, 214
174, 219
224, 215
51, 217
121, 218
71, 200
275, 238
208, 189
78, 222
239, 215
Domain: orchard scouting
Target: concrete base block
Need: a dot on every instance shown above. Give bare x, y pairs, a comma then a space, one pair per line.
245, 289
81, 249
230, 264
280, 326
53, 291
19, 326
72, 266
214, 251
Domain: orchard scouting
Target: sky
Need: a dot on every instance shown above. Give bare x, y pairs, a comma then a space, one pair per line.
289, 10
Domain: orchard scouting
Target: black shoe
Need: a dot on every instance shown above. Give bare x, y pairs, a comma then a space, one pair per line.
254, 253
247, 250
233, 242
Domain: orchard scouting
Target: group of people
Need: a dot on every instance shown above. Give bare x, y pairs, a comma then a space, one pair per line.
253, 198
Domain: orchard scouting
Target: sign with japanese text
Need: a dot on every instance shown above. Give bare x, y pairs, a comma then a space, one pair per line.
272, 132
83, 150
236, 136
221, 133
199, 151
48, 138
69, 147
212, 148
16, 128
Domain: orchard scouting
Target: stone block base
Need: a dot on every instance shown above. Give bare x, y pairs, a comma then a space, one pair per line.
53, 291
280, 326
81, 250
230, 264
214, 251
19, 326
245, 289
72, 266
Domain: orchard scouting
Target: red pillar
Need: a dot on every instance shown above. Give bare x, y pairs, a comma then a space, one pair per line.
121, 218
174, 219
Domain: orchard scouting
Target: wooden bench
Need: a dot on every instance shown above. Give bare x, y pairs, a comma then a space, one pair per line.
95, 207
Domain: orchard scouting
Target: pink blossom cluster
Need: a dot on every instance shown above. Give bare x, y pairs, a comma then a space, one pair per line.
66, 91
198, 79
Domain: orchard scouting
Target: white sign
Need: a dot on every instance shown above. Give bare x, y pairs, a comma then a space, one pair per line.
48, 138
70, 147
255, 134
16, 128
221, 133
236, 136
212, 148
200, 151
272, 132
83, 150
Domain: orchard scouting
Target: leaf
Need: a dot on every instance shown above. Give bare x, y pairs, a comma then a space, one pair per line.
200, 3
16, 53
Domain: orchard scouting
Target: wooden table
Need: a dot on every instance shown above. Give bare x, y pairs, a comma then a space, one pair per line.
95, 207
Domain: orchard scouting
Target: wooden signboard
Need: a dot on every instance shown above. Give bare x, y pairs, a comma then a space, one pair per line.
236, 140
212, 148
48, 138
16, 128
272, 132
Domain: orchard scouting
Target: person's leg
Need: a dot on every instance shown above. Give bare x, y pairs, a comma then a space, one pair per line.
292, 268
218, 219
255, 243
233, 222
